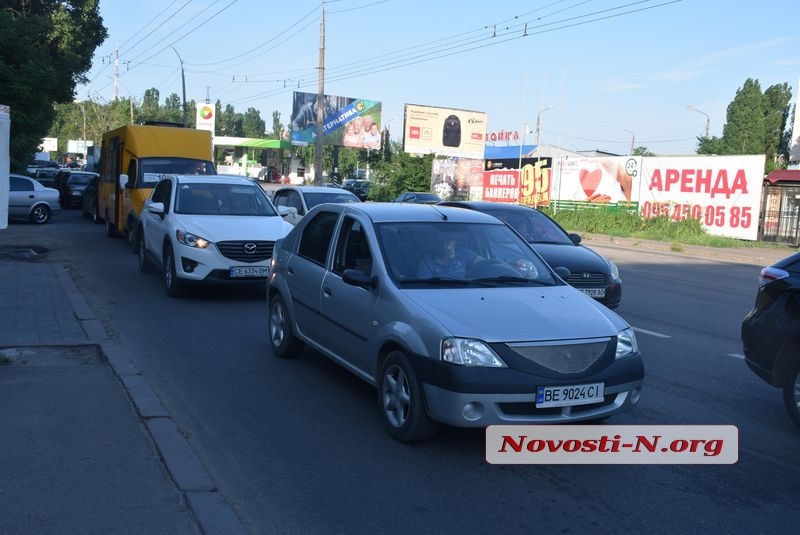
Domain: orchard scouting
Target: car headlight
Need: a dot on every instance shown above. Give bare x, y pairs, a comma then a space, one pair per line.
469, 352
614, 270
626, 343
190, 240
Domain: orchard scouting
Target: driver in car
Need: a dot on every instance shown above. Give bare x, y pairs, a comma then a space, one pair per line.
446, 260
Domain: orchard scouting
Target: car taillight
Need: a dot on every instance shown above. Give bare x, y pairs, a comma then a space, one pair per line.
769, 274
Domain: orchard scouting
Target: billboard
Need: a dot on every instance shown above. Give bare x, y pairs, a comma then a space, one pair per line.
347, 122
205, 118
444, 131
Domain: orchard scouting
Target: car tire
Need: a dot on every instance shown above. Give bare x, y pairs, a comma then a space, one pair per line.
133, 242
145, 264
111, 232
95, 217
40, 214
172, 283
281, 334
791, 393
402, 401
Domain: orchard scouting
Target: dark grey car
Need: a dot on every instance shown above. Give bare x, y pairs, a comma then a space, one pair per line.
451, 315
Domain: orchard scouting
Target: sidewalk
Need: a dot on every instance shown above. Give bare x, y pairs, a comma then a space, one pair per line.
86, 445
757, 256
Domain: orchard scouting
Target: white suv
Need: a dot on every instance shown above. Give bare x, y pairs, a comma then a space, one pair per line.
208, 229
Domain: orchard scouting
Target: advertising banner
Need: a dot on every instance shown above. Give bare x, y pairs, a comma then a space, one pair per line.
444, 131
347, 122
722, 192
598, 180
206, 117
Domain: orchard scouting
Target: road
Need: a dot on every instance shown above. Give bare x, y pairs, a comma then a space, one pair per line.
296, 446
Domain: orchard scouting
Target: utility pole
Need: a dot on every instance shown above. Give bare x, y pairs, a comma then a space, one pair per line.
633, 140
320, 99
183, 84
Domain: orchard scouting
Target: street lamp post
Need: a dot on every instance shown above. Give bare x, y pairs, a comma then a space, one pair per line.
633, 140
708, 119
539, 122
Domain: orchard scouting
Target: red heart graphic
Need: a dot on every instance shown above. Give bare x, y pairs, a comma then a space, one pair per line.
590, 180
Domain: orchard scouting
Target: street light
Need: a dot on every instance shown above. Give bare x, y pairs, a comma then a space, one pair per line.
708, 119
633, 140
539, 122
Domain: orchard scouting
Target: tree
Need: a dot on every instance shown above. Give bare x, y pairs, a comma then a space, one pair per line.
755, 124
277, 127
642, 151
46, 48
252, 124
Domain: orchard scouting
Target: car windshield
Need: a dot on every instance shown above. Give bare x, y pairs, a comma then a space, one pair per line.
223, 199
454, 254
534, 226
79, 180
315, 198
153, 169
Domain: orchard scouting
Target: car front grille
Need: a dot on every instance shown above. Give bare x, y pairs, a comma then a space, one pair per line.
585, 279
242, 251
563, 358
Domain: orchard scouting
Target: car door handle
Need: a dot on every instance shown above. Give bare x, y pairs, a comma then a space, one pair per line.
326, 291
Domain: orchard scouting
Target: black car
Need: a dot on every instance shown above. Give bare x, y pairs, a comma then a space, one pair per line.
89, 205
70, 185
418, 197
771, 331
591, 273
360, 188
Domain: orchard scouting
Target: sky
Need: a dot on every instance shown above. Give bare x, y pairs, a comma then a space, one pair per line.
594, 74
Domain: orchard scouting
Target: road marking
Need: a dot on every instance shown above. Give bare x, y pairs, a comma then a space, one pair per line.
651, 333
736, 355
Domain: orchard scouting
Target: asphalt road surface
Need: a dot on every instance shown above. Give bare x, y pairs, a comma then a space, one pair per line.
296, 446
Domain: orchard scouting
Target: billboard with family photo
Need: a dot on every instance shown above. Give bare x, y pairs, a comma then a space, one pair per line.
347, 122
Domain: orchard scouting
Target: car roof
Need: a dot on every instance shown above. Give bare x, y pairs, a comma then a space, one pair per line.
205, 179
488, 206
314, 189
380, 212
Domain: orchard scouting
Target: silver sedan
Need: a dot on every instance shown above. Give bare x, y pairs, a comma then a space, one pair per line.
28, 199
451, 315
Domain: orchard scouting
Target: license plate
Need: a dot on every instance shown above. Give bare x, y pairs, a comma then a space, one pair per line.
594, 292
249, 271
564, 396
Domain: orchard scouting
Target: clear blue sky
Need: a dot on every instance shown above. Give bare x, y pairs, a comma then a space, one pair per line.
614, 71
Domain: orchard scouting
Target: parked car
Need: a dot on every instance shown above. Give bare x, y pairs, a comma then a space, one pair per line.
46, 176
207, 229
451, 315
771, 331
41, 164
303, 198
360, 188
419, 197
89, 205
589, 272
28, 199
70, 184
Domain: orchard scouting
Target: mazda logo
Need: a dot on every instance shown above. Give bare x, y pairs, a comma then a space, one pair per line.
249, 248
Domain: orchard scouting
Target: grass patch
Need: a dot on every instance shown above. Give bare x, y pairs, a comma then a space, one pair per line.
662, 228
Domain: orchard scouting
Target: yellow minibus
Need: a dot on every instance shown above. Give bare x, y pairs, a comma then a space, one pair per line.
134, 157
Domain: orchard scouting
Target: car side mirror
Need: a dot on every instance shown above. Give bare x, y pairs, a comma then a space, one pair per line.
356, 277
285, 211
576, 238
562, 272
123, 181
156, 208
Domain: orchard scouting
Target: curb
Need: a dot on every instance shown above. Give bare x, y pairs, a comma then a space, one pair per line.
209, 508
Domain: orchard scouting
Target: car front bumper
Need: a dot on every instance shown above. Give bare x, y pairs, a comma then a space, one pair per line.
510, 397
